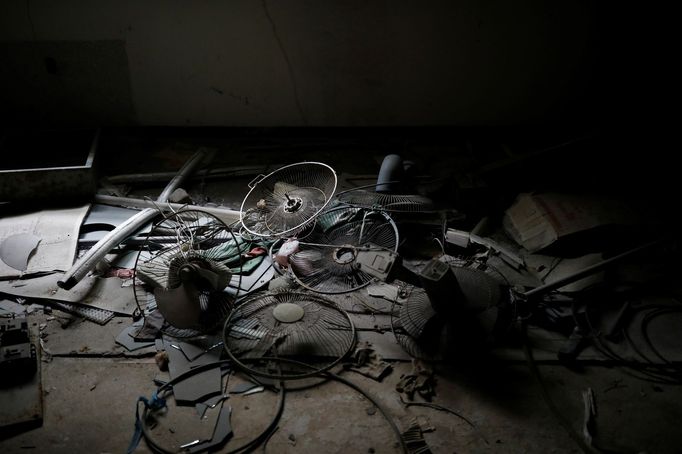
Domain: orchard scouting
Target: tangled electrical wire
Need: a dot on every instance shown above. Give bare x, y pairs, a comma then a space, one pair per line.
166, 389
142, 422
653, 367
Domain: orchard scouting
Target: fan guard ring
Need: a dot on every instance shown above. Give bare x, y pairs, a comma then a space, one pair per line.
288, 324
288, 199
327, 260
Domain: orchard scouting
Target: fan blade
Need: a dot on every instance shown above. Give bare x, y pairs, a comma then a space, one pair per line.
305, 262
179, 306
282, 188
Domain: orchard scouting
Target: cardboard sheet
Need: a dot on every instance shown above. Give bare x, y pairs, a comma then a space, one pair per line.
58, 233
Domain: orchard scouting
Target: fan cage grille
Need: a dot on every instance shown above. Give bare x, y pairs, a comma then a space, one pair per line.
320, 339
395, 203
196, 235
288, 199
326, 261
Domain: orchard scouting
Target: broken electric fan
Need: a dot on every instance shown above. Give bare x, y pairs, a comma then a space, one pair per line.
295, 326
455, 304
288, 199
348, 248
391, 193
393, 203
180, 266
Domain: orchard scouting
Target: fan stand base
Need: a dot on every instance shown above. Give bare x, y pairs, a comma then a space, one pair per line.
288, 312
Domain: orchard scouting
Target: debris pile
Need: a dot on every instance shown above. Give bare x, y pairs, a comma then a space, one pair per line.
303, 279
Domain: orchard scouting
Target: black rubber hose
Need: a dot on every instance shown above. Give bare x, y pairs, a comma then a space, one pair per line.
352, 385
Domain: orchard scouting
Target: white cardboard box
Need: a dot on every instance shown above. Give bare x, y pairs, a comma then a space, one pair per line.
537, 220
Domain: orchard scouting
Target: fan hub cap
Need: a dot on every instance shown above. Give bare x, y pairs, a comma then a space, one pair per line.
288, 312
292, 205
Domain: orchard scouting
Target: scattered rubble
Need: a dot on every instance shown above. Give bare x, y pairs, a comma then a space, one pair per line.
306, 277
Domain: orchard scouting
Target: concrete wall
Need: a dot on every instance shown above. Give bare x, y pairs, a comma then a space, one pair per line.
298, 62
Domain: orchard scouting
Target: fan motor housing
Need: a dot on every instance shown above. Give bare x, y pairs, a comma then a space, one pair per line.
441, 285
377, 263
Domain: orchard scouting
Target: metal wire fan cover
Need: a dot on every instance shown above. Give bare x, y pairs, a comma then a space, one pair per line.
415, 313
285, 324
286, 200
481, 294
409, 326
327, 261
179, 269
395, 203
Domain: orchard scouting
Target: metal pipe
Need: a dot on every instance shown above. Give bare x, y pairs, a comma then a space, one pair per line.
112, 239
391, 170
226, 215
189, 167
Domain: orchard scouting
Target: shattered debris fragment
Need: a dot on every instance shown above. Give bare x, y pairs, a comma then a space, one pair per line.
368, 362
16, 250
420, 381
413, 438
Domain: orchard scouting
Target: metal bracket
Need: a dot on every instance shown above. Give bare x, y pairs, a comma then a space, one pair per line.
256, 180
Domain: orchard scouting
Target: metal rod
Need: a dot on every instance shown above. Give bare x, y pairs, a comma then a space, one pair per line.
539, 291
112, 239
206, 173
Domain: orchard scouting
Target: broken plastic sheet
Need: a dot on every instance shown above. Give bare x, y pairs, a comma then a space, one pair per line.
16, 250
102, 293
58, 233
10, 308
101, 219
127, 340
259, 277
195, 388
332, 218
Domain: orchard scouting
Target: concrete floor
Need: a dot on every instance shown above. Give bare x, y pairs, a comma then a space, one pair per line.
91, 386
89, 405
